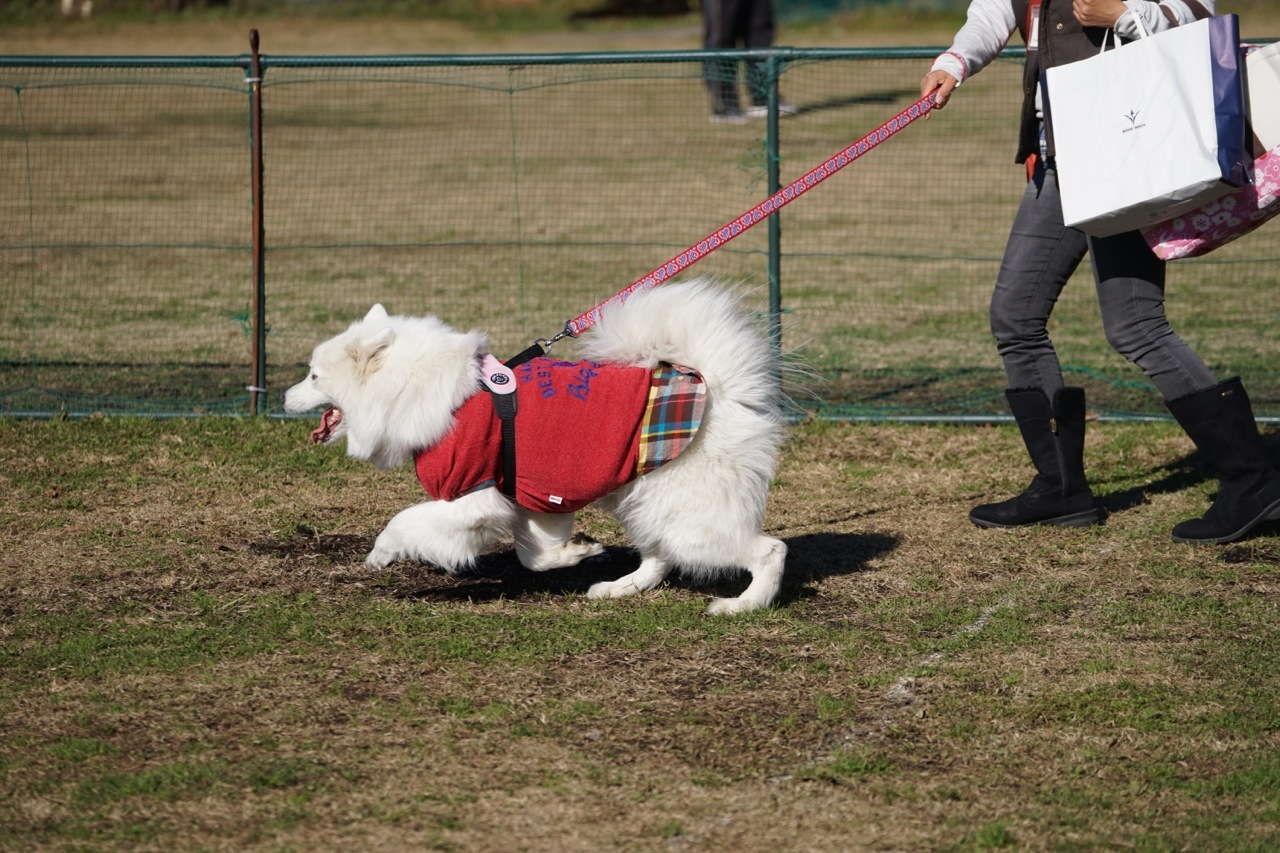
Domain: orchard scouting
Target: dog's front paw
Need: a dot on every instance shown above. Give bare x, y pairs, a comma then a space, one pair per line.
611, 589
580, 547
729, 606
379, 558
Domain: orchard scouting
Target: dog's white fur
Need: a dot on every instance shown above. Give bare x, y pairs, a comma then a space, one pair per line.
398, 380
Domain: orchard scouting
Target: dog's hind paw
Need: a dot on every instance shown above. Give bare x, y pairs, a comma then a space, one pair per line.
650, 573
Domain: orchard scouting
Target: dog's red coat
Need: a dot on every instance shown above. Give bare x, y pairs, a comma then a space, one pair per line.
577, 437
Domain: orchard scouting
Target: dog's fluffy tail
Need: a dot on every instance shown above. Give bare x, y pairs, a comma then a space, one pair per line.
698, 324
704, 512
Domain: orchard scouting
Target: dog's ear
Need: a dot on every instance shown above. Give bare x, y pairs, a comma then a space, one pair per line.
377, 312
367, 354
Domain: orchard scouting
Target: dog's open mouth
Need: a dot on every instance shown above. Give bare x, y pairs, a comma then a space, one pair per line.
328, 423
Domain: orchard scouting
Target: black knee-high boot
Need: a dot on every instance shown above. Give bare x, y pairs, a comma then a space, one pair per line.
1054, 436
1220, 422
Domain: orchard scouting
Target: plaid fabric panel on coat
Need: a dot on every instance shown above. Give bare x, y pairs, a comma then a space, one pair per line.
677, 398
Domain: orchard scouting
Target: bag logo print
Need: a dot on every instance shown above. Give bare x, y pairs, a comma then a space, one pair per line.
1132, 116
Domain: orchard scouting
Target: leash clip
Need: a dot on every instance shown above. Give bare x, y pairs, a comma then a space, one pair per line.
566, 332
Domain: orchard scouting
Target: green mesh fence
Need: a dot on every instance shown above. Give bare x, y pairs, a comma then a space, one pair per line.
124, 219
511, 193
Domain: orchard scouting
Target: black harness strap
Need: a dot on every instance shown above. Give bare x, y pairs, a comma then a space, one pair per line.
504, 405
535, 351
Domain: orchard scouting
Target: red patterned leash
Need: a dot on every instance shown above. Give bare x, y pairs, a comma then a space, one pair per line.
752, 217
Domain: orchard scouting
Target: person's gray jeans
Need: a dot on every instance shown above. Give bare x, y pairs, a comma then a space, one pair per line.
1040, 256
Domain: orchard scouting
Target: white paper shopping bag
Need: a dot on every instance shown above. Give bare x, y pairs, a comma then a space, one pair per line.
1262, 78
1151, 129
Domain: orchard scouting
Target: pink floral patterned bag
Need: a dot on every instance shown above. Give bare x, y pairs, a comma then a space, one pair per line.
1218, 222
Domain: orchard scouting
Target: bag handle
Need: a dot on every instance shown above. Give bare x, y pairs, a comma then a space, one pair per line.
1142, 28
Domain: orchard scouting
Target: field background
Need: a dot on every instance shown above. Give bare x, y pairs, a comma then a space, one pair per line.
512, 195
191, 656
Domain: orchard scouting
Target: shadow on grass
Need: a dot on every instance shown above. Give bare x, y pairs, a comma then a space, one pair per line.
810, 559
1188, 472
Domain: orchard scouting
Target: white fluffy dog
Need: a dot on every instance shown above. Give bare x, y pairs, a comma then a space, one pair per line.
395, 384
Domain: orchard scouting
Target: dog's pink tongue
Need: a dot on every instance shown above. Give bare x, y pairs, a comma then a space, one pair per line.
328, 421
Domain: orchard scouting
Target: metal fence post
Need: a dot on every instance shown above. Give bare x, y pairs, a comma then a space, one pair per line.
775, 221
258, 384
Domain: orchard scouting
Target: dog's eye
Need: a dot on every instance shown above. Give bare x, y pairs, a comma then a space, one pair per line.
315, 377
